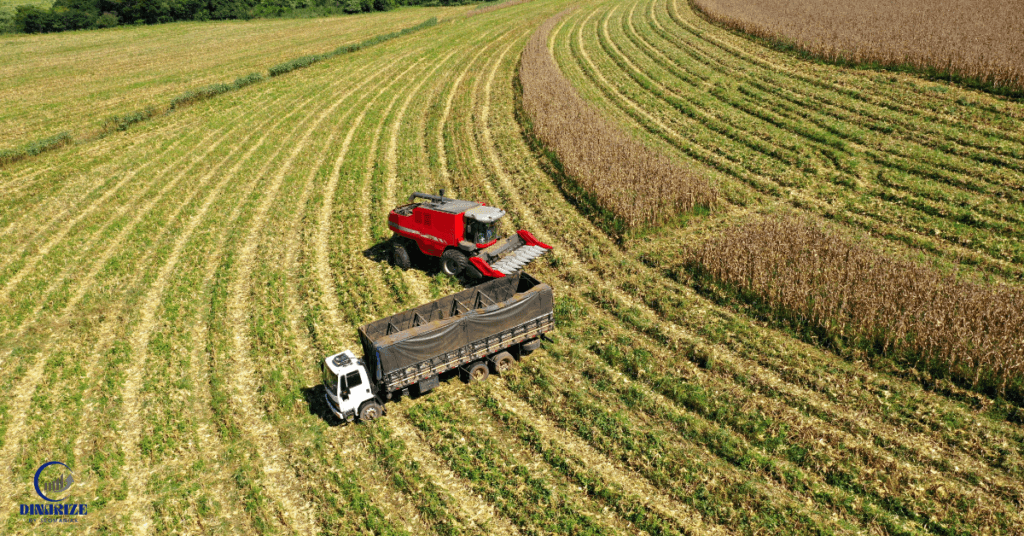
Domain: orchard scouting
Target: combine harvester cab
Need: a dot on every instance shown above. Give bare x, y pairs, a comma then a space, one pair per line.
462, 235
475, 331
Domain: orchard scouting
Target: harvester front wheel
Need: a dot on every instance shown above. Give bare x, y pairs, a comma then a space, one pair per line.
400, 256
453, 262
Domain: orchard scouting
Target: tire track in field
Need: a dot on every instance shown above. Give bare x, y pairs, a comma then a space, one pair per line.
460, 489
469, 505
294, 245
481, 126
625, 300
895, 439
112, 247
150, 252
416, 284
518, 460
27, 387
360, 240
209, 442
608, 470
497, 169
148, 321
328, 290
64, 207
271, 453
441, 151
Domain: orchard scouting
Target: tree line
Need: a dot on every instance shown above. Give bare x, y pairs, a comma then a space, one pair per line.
89, 14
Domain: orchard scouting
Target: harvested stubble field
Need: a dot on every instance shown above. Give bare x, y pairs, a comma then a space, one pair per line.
168, 291
75, 82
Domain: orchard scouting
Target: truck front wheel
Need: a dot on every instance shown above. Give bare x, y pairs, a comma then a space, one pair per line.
453, 262
370, 411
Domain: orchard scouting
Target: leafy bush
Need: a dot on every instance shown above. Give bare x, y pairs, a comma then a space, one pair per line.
107, 20
122, 122
13, 155
7, 23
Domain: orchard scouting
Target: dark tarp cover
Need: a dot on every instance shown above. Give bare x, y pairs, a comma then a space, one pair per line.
452, 322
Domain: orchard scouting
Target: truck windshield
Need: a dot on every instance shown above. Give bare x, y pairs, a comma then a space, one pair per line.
481, 233
330, 381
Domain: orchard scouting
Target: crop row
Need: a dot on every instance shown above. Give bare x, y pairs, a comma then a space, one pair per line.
781, 149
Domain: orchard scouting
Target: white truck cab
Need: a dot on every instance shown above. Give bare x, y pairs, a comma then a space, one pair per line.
349, 391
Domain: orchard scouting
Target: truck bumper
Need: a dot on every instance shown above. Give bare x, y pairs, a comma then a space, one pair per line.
347, 416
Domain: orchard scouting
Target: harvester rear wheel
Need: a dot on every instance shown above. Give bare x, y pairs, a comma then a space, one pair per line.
400, 256
453, 262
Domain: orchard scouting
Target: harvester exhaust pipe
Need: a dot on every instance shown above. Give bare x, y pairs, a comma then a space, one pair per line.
422, 195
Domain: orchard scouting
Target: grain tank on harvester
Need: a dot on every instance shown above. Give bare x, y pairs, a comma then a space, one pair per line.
462, 234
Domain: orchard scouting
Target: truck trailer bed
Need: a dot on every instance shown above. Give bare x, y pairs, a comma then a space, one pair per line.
417, 344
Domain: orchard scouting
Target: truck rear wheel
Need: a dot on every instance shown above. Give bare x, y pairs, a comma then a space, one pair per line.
477, 373
400, 256
453, 262
503, 363
370, 411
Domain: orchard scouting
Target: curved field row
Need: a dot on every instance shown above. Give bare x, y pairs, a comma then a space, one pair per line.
179, 317
144, 66
776, 128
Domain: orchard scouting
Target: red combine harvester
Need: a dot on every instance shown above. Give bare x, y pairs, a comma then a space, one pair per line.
462, 234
